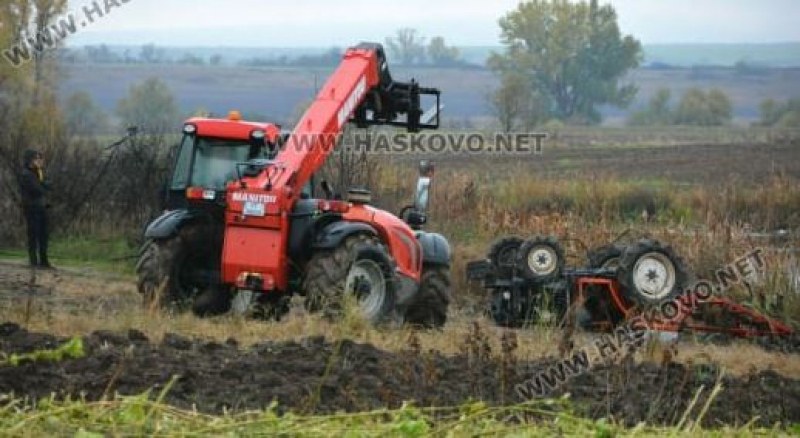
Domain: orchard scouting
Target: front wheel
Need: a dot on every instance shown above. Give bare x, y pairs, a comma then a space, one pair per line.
361, 269
174, 272
429, 309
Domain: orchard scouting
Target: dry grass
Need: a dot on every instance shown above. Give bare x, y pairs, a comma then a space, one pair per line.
70, 304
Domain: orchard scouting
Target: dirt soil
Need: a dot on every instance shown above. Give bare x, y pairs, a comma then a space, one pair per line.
317, 376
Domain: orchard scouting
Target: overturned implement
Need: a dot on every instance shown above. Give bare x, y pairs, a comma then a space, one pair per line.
644, 282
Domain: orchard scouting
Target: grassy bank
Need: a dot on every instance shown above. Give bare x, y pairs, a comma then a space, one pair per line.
138, 416
110, 254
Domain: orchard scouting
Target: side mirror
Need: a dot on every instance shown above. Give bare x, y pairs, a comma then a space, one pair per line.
422, 196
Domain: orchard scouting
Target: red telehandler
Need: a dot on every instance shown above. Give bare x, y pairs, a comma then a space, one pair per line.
245, 230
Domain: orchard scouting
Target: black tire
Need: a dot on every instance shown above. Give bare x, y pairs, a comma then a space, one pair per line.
606, 256
503, 255
429, 309
149, 273
164, 272
541, 259
597, 306
648, 261
213, 301
327, 274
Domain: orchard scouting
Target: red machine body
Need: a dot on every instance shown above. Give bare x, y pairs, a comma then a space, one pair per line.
259, 208
715, 315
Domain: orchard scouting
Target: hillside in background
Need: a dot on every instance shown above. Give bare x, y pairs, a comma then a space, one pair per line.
277, 93
676, 55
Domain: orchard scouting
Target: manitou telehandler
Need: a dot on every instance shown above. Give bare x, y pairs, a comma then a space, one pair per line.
246, 231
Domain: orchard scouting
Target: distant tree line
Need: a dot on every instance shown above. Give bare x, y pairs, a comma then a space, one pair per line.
696, 107
147, 54
330, 58
408, 47
405, 48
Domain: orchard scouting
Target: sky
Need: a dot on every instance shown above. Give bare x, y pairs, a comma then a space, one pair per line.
318, 23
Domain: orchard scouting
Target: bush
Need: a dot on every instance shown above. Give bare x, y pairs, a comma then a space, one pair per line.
657, 113
780, 115
704, 109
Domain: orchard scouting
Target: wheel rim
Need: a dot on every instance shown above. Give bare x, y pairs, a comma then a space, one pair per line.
367, 283
654, 275
542, 260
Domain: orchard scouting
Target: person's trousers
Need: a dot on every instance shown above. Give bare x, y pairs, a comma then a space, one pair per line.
36, 220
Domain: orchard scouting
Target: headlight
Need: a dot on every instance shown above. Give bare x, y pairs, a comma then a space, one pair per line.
189, 129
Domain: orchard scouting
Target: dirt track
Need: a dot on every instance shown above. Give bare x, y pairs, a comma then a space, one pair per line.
317, 376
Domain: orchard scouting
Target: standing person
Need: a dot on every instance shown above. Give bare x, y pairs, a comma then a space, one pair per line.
34, 204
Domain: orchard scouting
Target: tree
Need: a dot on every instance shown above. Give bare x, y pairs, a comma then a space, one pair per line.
83, 117
142, 165
150, 54
31, 119
407, 46
150, 106
719, 106
191, 59
515, 103
441, 55
573, 53
101, 54
771, 112
45, 12
656, 113
704, 109
215, 59
781, 115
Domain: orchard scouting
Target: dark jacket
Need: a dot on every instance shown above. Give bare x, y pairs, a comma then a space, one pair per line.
33, 190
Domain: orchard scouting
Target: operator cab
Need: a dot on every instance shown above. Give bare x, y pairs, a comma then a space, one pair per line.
209, 157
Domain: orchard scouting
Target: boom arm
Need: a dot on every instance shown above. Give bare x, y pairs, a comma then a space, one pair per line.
257, 216
360, 90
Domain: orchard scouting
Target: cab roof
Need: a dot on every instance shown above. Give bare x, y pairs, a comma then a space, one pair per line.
232, 129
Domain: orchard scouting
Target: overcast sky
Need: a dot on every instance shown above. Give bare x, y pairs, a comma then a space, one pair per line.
318, 23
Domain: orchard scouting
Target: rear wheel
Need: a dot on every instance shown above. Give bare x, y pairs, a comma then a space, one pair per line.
605, 257
651, 273
541, 259
359, 268
503, 255
430, 307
